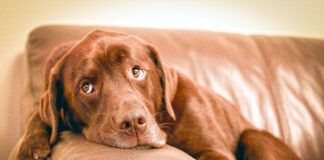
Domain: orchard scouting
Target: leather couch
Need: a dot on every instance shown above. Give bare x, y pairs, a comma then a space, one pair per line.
276, 82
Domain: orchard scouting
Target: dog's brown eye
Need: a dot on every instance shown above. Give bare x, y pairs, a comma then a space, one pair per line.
138, 73
87, 87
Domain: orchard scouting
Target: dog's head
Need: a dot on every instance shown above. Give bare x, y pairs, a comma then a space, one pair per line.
112, 87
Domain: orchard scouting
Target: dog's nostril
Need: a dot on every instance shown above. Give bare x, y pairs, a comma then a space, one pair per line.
141, 121
126, 125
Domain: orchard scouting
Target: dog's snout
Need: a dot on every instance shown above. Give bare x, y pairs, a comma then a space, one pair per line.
133, 123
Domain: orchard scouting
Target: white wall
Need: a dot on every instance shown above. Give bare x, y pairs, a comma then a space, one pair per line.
288, 17
283, 17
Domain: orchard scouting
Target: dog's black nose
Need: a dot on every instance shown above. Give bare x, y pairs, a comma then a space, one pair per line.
133, 123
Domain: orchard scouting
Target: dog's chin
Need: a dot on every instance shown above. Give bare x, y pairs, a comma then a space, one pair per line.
136, 146
134, 143
125, 144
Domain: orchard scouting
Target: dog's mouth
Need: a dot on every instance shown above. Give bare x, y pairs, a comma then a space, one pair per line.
146, 141
144, 147
131, 145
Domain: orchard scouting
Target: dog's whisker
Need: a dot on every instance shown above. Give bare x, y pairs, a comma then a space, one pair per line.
168, 123
103, 114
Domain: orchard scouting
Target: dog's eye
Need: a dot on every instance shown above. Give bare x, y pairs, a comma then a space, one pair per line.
87, 87
138, 73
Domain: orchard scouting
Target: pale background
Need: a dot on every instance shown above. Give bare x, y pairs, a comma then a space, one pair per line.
279, 17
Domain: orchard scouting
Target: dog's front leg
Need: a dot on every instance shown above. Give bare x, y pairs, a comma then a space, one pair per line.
261, 145
35, 142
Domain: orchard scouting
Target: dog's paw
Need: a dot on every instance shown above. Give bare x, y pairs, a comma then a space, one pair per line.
34, 148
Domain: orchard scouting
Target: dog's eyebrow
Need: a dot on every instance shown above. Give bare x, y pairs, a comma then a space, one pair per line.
86, 71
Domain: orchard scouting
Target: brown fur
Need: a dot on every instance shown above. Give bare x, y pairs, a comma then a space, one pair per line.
164, 107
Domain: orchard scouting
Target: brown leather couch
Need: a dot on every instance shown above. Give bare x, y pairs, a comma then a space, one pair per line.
276, 82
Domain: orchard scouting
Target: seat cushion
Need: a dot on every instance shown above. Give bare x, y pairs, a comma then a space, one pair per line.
74, 146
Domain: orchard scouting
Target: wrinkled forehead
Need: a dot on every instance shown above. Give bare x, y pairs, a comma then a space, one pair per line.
104, 51
110, 45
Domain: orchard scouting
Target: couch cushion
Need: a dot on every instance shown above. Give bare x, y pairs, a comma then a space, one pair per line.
277, 82
73, 146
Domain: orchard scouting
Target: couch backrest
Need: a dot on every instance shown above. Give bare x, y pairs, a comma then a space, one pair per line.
277, 82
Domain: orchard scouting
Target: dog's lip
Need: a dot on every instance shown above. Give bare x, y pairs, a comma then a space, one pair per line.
143, 146
151, 145
137, 146
147, 146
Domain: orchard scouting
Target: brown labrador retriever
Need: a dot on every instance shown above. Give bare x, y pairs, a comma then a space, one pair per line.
114, 89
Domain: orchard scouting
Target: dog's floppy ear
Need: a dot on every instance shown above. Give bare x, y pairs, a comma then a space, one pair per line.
53, 96
168, 80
